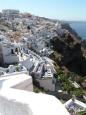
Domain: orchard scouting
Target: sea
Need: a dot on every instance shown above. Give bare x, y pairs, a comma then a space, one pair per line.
79, 27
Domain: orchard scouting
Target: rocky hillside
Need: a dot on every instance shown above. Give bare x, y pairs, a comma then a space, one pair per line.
65, 25
4, 26
69, 46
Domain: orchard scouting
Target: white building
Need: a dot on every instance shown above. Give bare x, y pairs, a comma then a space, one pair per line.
47, 84
15, 68
10, 13
0, 15
39, 70
30, 21
28, 64
8, 53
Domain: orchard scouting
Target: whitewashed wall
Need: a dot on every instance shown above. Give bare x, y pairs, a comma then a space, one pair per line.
7, 56
47, 84
11, 59
26, 85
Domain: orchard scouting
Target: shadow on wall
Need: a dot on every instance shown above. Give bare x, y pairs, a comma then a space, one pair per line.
1, 83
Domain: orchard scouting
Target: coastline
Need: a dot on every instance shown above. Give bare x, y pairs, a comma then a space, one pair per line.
79, 27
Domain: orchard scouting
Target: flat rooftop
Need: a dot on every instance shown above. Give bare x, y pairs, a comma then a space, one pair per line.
13, 80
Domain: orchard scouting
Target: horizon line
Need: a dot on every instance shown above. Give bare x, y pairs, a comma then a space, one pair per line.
65, 20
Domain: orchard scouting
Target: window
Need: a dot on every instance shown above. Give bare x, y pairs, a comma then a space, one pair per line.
12, 52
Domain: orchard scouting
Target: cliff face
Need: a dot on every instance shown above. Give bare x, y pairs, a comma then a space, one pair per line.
70, 49
71, 30
83, 44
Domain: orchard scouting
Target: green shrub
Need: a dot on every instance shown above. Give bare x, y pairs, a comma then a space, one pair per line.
82, 113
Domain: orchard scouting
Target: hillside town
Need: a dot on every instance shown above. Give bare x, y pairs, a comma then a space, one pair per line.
25, 51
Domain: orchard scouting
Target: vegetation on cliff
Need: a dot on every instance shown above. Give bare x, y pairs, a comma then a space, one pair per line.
70, 53
70, 61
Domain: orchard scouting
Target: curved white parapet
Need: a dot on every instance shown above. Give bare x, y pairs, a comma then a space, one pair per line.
19, 102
